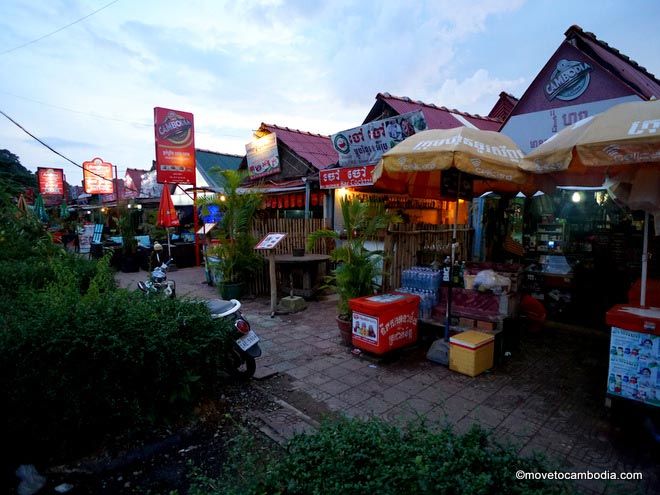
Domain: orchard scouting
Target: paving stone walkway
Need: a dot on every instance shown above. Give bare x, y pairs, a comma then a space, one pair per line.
547, 398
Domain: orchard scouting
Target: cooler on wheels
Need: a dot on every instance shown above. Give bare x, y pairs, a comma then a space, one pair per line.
384, 322
634, 371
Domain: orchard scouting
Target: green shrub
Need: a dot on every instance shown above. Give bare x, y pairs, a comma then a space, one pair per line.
78, 367
357, 457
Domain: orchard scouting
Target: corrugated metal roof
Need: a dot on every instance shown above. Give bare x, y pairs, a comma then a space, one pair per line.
316, 149
438, 117
209, 163
626, 69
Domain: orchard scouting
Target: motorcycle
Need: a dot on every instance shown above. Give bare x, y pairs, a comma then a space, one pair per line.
158, 283
241, 362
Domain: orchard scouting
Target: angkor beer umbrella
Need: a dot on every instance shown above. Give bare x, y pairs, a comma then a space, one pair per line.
22, 204
416, 165
621, 144
167, 216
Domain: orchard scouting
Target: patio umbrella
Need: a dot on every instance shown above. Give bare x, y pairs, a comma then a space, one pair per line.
64, 210
415, 166
167, 216
40, 209
621, 145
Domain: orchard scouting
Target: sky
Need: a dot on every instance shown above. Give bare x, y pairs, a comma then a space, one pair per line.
89, 89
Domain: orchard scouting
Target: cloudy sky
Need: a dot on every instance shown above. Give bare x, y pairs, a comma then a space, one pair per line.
89, 89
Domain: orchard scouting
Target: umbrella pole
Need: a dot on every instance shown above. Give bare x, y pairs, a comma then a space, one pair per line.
169, 244
451, 265
645, 261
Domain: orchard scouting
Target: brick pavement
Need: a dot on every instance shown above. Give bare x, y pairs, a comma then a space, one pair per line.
548, 398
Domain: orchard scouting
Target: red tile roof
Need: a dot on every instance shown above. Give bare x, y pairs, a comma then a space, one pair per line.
503, 107
316, 149
437, 117
634, 75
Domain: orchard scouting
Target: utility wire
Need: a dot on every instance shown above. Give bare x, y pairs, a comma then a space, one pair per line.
60, 154
104, 117
57, 30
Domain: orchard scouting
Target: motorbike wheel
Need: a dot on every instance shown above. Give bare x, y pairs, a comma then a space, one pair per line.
241, 365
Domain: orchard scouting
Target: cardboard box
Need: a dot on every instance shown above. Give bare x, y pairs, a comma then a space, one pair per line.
488, 326
471, 352
466, 322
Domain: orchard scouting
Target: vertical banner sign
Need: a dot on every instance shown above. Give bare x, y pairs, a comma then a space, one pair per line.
366, 144
51, 182
175, 146
262, 157
98, 177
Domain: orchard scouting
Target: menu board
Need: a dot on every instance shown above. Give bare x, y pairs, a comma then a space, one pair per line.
271, 240
634, 366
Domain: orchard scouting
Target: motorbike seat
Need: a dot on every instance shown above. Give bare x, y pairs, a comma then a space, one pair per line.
218, 306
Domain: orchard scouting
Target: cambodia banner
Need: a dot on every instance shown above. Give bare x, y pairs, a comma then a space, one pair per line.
51, 181
262, 157
98, 177
346, 177
366, 144
175, 146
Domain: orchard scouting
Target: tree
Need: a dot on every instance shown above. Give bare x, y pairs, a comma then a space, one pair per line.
14, 177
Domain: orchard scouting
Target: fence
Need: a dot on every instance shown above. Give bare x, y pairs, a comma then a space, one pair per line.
297, 230
408, 245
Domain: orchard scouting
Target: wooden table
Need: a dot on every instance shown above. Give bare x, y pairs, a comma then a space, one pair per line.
306, 271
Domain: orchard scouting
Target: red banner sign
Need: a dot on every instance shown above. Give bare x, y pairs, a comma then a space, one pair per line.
51, 181
175, 146
98, 177
346, 177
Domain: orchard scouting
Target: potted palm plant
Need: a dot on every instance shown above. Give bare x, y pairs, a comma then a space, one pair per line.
129, 246
235, 249
357, 267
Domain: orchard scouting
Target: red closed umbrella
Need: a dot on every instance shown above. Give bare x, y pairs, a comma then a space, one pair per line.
167, 216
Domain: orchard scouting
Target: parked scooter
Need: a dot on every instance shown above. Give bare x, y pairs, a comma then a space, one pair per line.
158, 283
241, 360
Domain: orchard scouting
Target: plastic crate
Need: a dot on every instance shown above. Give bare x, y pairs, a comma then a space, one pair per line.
471, 352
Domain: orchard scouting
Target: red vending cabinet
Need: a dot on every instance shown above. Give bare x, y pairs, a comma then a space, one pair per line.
634, 371
384, 322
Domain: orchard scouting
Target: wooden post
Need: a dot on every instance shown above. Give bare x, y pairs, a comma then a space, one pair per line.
273, 282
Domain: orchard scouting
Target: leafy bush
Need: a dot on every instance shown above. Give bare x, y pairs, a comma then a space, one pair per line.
356, 457
84, 366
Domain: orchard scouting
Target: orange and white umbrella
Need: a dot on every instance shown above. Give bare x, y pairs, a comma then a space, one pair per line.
415, 165
622, 138
620, 146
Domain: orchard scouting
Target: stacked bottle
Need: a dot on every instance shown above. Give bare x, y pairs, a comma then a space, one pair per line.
425, 283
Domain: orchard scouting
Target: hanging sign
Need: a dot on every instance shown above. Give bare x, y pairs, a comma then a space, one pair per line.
366, 144
262, 157
98, 177
51, 181
175, 146
346, 177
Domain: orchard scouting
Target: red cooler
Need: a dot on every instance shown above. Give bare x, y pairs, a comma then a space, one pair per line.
634, 354
384, 322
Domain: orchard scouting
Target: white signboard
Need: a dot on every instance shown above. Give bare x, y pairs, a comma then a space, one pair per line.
634, 366
366, 144
530, 130
85, 237
262, 157
271, 240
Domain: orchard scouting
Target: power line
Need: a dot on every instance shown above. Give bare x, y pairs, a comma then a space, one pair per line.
58, 153
104, 117
57, 30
